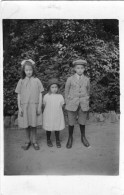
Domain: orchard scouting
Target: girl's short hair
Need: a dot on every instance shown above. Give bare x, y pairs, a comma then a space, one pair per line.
48, 89
53, 81
23, 75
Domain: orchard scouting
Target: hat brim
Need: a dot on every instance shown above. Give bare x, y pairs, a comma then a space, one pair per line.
79, 62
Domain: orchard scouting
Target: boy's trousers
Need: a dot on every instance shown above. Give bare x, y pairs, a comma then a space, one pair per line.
79, 115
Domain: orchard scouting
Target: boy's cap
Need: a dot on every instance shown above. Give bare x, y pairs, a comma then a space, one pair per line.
80, 62
53, 81
29, 60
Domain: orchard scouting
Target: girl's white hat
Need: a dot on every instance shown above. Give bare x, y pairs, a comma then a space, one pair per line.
24, 61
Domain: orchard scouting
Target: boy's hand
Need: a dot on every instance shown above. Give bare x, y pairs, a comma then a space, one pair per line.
20, 112
38, 110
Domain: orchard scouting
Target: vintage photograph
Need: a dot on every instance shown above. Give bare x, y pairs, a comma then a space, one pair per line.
61, 88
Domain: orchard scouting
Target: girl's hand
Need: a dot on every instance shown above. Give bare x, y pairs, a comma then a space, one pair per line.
39, 111
63, 106
43, 107
20, 112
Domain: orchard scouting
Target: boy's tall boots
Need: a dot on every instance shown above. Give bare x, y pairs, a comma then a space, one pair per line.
70, 139
83, 138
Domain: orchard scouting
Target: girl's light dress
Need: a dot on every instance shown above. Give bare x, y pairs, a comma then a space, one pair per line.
29, 90
53, 117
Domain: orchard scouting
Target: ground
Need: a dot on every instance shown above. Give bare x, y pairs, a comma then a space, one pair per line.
102, 158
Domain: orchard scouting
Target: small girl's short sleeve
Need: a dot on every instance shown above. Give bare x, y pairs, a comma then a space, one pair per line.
18, 87
40, 86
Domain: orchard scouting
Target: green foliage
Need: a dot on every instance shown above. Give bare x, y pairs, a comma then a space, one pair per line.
53, 45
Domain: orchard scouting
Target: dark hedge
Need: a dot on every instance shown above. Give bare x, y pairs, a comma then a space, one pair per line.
53, 45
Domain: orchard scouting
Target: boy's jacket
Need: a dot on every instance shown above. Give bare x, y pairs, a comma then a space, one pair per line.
77, 93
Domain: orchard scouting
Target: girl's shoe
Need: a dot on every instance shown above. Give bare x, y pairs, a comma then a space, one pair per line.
36, 146
49, 143
58, 144
26, 146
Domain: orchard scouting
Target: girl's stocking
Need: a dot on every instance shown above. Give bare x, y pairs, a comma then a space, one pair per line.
58, 144
49, 143
34, 132
28, 134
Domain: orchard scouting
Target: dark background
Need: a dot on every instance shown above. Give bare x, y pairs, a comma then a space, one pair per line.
53, 45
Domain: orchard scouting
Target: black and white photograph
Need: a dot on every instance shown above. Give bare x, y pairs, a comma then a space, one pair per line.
61, 97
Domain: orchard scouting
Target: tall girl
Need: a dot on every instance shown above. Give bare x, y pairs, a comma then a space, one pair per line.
53, 118
29, 90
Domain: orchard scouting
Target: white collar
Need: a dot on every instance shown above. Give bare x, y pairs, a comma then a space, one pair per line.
27, 78
79, 77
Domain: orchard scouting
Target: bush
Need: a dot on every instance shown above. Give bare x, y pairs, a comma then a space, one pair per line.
53, 45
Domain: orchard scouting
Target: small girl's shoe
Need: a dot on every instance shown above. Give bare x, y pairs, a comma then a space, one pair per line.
49, 143
58, 144
26, 146
36, 146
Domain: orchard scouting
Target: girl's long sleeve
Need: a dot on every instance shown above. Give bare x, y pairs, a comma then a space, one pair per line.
19, 101
40, 99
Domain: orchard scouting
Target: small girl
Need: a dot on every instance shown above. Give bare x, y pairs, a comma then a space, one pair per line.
29, 90
53, 118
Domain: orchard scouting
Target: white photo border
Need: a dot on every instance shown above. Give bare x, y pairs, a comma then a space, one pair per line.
64, 185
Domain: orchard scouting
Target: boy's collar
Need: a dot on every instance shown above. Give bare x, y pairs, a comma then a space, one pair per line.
79, 76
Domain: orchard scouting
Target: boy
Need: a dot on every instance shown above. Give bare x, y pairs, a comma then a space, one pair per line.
77, 91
